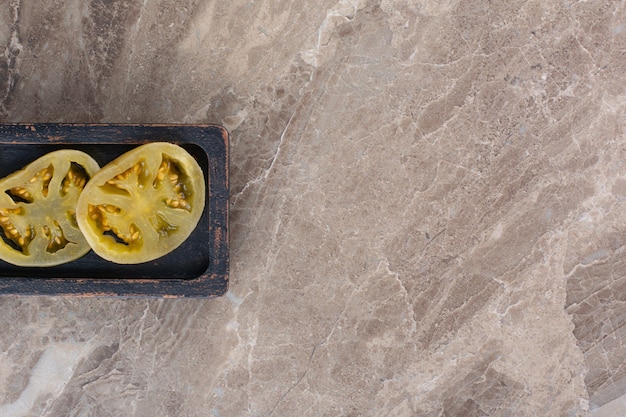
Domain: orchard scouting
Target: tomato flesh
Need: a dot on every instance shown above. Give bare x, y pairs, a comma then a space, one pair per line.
38, 224
143, 204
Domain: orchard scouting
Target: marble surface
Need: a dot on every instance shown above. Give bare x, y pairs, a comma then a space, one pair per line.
427, 207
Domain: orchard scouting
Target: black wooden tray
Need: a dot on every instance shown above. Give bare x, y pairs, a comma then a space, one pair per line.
198, 268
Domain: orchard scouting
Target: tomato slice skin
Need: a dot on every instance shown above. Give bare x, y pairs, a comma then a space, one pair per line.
38, 227
142, 205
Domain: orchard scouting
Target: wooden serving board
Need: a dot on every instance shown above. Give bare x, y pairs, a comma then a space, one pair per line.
198, 268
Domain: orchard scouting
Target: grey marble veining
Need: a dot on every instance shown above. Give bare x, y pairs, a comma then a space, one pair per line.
427, 207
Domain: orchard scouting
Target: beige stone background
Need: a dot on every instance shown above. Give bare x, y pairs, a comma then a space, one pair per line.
427, 207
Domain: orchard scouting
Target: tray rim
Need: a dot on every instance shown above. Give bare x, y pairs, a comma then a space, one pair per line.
211, 283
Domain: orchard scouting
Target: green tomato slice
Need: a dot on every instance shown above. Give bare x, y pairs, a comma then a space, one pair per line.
37, 210
142, 205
